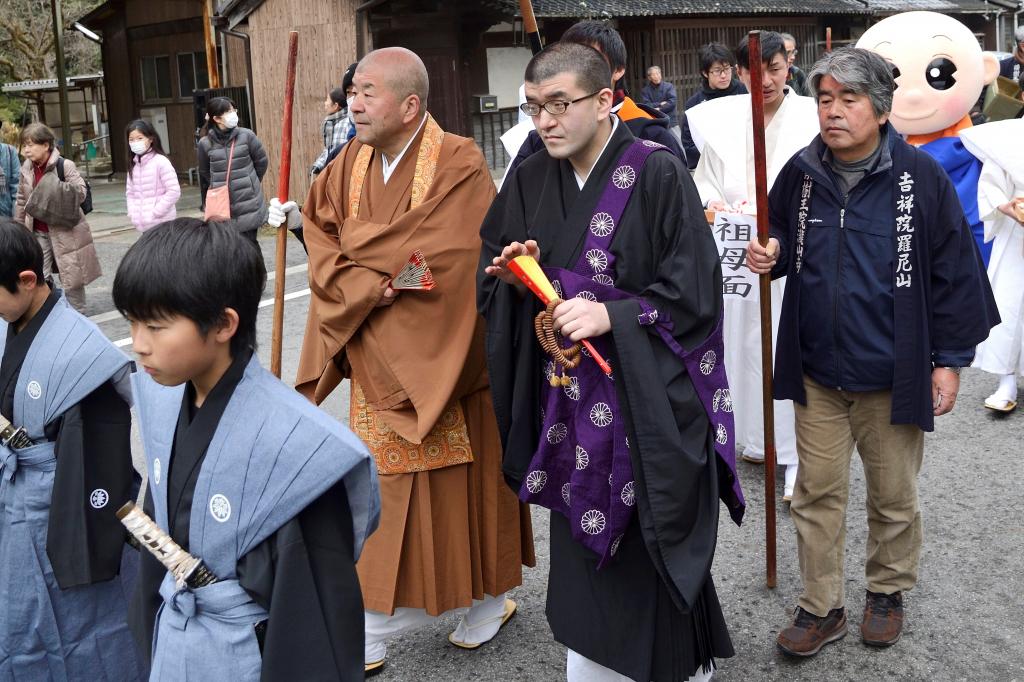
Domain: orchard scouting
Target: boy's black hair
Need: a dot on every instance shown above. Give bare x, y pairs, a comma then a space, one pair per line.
19, 251
606, 38
194, 269
771, 45
713, 53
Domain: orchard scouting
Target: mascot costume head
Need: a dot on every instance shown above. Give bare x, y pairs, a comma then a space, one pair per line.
939, 67
940, 72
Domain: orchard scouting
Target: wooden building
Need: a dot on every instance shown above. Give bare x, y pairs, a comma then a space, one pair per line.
669, 33
154, 58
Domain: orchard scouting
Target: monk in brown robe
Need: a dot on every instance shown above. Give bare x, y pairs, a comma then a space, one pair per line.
452, 533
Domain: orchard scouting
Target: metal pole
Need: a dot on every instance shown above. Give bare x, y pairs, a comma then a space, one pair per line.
212, 71
62, 81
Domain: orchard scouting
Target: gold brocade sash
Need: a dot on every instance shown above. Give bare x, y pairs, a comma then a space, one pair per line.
426, 166
447, 444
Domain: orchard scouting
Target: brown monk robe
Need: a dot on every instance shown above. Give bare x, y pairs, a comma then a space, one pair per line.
451, 530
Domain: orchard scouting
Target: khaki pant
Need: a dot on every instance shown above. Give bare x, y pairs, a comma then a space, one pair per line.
827, 429
76, 295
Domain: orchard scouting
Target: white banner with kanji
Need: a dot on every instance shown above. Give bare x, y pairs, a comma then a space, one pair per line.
733, 231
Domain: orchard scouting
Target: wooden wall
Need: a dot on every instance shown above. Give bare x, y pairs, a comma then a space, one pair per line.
327, 45
140, 28
673, 44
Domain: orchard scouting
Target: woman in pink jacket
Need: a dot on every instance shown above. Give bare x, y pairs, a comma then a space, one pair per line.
152, 189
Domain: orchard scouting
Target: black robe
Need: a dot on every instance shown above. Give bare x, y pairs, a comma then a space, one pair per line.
659, 585
93, 450
303, 575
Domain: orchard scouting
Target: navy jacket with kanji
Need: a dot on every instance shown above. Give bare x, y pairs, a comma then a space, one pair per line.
884, 286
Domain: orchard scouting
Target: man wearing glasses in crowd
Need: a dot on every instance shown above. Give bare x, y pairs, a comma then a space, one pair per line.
797, 78
718, 79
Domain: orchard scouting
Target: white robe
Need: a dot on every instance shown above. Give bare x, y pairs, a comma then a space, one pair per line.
723, 133
1000, 147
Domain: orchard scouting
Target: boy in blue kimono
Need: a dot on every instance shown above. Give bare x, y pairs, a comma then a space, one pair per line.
65, 466
272, 494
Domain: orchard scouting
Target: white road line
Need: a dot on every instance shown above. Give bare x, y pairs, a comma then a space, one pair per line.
121, 343
114, 315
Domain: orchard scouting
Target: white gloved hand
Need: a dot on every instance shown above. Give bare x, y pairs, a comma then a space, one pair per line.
278, 213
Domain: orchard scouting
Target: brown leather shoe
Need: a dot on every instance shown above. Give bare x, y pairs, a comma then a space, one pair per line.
809, 633
883, 619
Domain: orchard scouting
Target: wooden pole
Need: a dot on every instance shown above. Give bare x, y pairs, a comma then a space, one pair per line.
62, 79
828, 39
282, 195
530, 25
212, 70
765, 282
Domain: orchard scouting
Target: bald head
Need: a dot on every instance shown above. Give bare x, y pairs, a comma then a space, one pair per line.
400, 70
390, 100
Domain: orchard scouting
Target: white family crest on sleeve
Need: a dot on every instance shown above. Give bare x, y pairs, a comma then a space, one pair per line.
34, 390
220, 508
98, 498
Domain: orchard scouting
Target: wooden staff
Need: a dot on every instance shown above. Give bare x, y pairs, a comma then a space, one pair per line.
828, 39
530, 25
765, 281
282, 195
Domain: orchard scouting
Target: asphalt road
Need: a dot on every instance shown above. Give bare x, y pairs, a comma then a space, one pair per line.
964, 619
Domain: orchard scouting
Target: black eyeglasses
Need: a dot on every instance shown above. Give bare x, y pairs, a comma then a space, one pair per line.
555, 107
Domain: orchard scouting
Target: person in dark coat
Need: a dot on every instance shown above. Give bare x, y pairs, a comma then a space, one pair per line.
1012, 67
886, 298
659, 94
249, 164
643, 121
633, 464
797, 79
718, 79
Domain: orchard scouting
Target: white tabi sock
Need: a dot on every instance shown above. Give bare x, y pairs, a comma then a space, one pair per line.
579, 668
1007, 388
791, 470
482, 621
380, 627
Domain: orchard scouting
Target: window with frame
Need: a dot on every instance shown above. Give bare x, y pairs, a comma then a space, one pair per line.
192, 73
156, 78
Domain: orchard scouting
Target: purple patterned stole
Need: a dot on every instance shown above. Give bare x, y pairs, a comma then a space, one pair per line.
582, 467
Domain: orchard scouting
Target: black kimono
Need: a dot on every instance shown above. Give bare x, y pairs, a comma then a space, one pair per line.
659, 585
303, 575
93, 451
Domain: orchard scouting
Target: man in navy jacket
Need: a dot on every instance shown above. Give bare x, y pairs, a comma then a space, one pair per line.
885, 300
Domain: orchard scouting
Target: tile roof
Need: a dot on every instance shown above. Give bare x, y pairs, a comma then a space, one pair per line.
634, 8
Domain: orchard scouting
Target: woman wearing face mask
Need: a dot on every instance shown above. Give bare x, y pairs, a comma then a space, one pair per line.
152, 188
223, 141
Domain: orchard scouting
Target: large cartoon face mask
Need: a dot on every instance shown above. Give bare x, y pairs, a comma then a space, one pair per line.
939, 67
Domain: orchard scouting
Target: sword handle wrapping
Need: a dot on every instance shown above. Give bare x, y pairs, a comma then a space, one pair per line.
187, 570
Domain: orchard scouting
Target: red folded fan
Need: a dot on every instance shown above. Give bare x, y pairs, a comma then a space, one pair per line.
414, 275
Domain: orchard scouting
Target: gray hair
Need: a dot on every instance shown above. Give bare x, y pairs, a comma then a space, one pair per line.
862, 71
653, 68
789, 37
1019, 33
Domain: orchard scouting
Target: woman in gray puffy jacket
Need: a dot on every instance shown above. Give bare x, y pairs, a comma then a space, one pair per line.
248, 165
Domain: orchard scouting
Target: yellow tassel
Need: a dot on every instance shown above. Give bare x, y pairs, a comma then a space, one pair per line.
566, 380
554, 381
